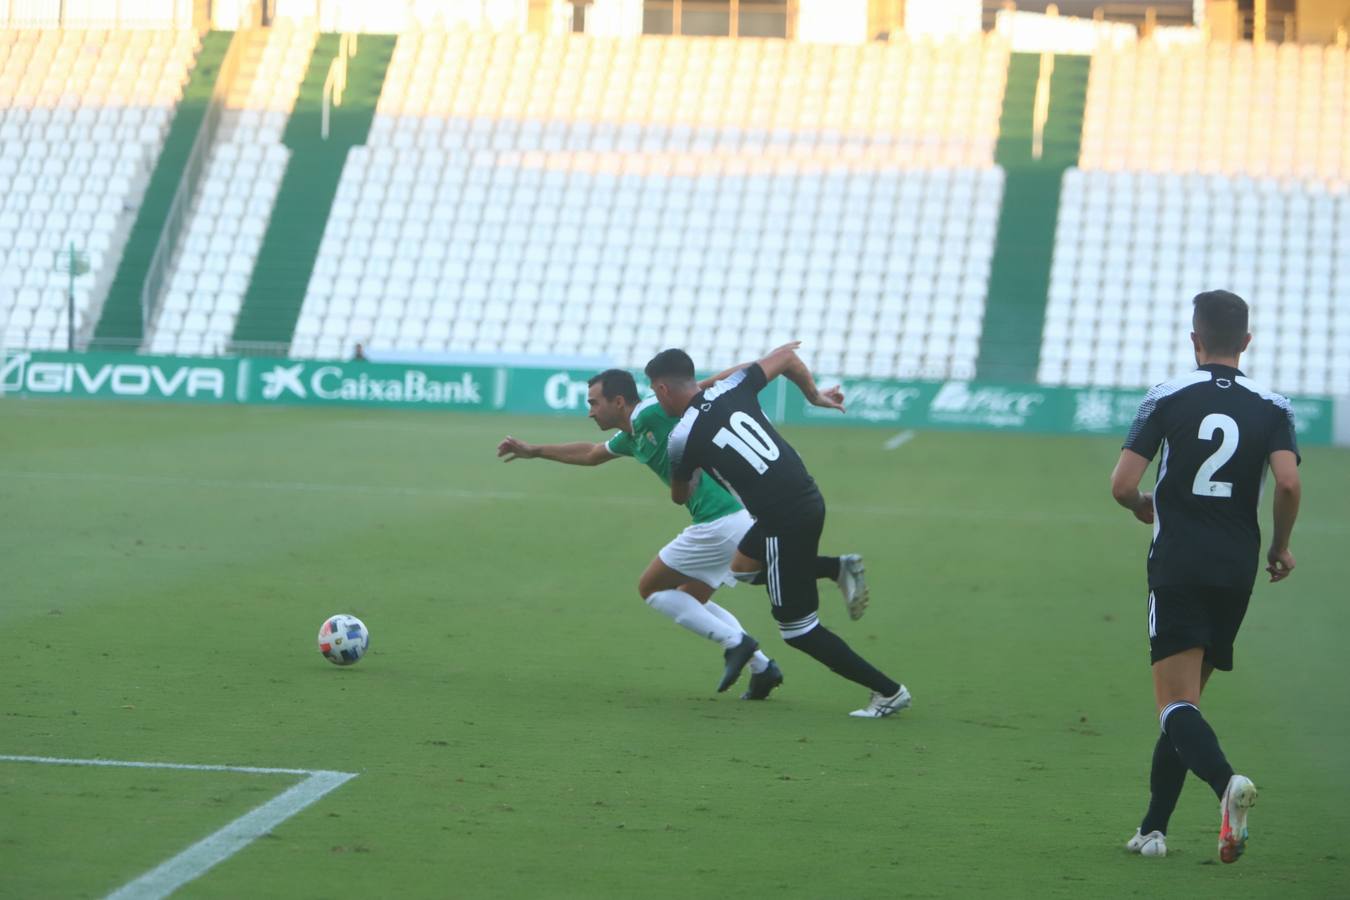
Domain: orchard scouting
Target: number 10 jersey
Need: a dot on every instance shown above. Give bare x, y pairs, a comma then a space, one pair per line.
1217, 430
725, 433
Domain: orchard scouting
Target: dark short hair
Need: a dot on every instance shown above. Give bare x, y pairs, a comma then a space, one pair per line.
616, 383
1220, 321
672, 364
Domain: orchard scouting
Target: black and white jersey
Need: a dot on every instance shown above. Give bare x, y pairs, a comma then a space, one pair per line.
725, 433
1217, 430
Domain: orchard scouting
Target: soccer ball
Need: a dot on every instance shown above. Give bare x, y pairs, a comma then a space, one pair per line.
343, 639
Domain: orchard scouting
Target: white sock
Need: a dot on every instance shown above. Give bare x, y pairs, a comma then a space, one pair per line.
759, 662
688, 613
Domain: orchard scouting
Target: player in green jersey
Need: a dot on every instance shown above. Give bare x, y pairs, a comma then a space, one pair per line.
680, 581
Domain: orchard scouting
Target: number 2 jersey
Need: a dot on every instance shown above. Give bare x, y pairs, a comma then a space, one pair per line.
725, 433
1217, 429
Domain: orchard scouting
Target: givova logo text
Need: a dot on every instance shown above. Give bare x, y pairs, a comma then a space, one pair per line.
23, 374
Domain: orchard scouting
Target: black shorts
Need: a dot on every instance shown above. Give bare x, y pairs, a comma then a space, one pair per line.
1182, 618
788, 551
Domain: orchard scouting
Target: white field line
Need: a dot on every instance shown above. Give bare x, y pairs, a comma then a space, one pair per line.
927, 513
131, 764
899, 440
220, 845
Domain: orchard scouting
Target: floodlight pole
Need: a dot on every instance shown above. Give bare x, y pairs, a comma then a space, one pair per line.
70, 301
74, 265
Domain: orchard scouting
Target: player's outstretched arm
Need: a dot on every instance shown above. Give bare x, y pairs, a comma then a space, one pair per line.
1125, 479
709, 382
578, 454
785, 361
1288, 493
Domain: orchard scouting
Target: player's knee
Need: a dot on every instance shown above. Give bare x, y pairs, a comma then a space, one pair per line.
798, 629
646, 586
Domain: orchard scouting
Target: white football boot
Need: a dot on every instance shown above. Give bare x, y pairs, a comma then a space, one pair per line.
853, 584
1238, 797
1152, 844
881, 706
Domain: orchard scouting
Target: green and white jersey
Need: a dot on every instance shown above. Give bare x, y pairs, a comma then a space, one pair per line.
647, 444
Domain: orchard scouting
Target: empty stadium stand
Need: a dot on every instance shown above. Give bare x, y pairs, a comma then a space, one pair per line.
578, 195
215, 260
1267, 110
83, 114
276, 290
582, 195
1206, 166
1134, 247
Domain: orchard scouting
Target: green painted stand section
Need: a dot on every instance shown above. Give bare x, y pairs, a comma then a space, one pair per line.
305, 197
120, 326
1019, 277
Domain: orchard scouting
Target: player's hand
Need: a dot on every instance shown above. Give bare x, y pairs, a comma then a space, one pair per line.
1279, 564
830, 398
790, 345
511, 449
1144, 510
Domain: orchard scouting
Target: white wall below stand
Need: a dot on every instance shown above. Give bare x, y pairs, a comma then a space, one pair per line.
832, 21
943, 18
614, 18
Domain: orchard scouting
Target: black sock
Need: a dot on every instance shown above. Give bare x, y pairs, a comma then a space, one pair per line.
1165, 781
827, 647
827, 567
1197, 745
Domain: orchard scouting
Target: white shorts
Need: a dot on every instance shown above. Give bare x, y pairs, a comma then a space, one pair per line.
704, 551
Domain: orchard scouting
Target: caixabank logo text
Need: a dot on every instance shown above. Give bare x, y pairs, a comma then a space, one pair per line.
306, 383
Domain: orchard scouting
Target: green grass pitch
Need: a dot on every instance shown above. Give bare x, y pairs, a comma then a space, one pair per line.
524, 727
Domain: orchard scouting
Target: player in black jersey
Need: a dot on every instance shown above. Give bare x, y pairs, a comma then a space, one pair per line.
723, 431
1218, 432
